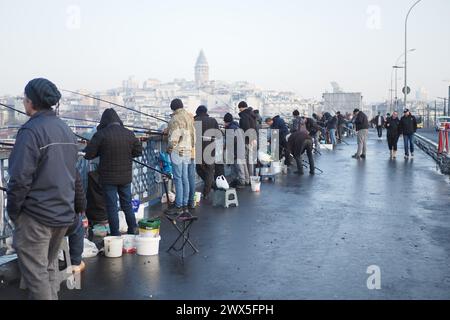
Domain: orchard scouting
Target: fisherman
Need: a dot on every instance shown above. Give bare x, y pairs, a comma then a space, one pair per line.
181, 147
297, 144
116, 147
239, 170
277, 123
362, 131
41, 189
248, 123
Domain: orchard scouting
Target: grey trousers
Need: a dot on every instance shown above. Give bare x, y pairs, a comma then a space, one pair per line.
37, 248
362, 136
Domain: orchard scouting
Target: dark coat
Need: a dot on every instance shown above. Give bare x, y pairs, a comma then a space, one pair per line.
116, 146
296, 142
279, 124
238, 138
311, 126
408, 125
332, 123
361, 121
42, 171
375, 121
207, 123
393, 127
247, 121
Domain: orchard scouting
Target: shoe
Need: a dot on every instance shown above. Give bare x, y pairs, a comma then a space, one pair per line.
312, 173
174, 211
406, 157
363, 156
394, 154
412, 155
355, 156
78, 269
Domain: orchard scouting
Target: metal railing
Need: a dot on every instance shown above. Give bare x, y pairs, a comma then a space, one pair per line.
431, 148
146, 186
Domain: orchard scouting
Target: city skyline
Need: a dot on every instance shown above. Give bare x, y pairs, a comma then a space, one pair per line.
299, 47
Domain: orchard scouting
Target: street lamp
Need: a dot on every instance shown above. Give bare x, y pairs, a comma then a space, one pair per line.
396, 87
392, 73
445, 103
406, 49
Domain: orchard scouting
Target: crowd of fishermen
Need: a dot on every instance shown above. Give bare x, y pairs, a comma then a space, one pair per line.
46, 199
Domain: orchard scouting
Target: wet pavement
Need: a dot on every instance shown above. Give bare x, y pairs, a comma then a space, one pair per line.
309, 237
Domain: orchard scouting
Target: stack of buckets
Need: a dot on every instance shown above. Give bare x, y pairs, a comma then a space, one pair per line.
146, 244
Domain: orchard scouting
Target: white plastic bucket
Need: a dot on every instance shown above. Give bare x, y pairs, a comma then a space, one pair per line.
276, 167
256, 186
113, 247
129, 243
147, 246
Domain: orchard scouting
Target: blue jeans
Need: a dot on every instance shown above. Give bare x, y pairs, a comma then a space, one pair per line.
180, 168
191, 173
110, 194
76, 241
408, 138
333, 136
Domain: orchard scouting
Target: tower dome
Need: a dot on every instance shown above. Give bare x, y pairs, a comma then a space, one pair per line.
201, 69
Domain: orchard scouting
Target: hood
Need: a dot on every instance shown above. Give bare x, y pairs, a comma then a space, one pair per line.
109, 117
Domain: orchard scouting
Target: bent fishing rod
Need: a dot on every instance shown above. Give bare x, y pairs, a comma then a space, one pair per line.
115, 104
90, 121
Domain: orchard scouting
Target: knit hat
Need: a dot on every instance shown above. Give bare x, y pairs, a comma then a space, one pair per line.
228, 118
201, 110
43, 93
176, 104
356, 110
242, 105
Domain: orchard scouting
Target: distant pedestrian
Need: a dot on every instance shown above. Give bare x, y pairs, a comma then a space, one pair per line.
41, 189
116, 147
331, 124
362, 132
393, 133
340, 125
378, 121
408, 127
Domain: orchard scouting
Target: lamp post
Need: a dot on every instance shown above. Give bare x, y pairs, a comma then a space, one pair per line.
406, 50
445, 104
392, 73
396, 87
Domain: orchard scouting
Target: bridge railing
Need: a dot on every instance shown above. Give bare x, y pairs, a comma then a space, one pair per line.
146, 186
431, 148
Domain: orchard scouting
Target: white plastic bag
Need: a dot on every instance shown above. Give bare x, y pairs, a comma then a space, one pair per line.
90, 249
222, 183
123, 226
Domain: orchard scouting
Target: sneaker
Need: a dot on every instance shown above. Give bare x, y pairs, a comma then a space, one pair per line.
406, 156
412, 155
312, 172
174, 211
78, 269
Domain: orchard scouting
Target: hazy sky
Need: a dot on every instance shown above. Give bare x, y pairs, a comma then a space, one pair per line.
285, 45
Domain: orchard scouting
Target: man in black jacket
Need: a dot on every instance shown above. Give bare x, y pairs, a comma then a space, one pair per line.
393, 133
362, 132
116, 146
299, 142
248, 124
408, 127
378, 121
206, 169
41, 189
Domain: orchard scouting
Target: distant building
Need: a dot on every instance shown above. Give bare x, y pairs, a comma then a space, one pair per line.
342, 101
201, 70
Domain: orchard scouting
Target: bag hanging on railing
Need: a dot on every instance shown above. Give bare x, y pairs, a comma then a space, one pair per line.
166, 163
222, 183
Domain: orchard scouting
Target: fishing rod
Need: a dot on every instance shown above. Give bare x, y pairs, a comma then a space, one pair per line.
115, 104
7, 144
11, 108
306, 164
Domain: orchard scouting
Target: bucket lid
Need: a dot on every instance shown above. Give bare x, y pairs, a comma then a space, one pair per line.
150, 223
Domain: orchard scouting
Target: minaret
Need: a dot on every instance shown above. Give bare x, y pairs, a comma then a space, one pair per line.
201, 70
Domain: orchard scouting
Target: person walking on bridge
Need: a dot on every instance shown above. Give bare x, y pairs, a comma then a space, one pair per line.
408, 127
41, 189
116, 147
393, 133
362, 132
378, 121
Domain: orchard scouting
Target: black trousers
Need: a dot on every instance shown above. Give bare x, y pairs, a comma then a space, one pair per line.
308, 147
392, 141
206, 172
380, 131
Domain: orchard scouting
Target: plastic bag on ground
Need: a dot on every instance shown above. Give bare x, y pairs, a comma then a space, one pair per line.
90, 249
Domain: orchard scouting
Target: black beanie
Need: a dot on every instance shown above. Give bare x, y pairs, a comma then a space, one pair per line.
228, 118
43, 93
201, 110
176, 104
242, 105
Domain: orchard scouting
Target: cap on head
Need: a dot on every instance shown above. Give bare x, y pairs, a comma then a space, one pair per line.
43, 93
176, 104
356, 110
296, 113
406, 111
228, 118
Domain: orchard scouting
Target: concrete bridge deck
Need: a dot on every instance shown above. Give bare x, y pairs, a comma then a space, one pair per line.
309, 237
